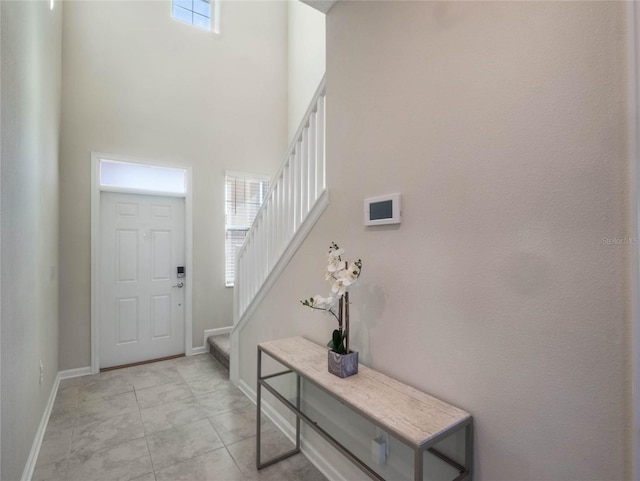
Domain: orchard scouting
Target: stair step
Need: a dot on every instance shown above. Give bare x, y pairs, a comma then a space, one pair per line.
219, 347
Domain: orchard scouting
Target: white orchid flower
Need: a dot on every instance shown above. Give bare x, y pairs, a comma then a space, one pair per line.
329, 301
349, 276
322, 302
336, 266
339, 287
342, 274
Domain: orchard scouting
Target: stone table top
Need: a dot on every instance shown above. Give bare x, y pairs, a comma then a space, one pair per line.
399, 409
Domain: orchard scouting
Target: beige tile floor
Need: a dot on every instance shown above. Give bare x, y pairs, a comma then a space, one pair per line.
177, 420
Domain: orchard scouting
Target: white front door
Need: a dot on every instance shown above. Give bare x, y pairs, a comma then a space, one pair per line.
141, 298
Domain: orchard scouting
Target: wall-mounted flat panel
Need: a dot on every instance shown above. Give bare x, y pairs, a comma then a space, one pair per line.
160, 255
127, 320
159, 212
127, 255
160, 317
126, 210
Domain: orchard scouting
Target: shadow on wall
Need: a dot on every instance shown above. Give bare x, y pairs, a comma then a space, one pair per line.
371, 309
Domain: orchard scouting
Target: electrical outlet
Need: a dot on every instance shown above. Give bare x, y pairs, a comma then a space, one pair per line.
378, 451
380, 447
380, 434
41, 371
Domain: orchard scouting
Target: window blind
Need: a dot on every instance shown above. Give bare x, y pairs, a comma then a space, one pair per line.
244, 195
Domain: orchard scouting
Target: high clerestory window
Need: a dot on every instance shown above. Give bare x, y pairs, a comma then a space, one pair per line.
200, 13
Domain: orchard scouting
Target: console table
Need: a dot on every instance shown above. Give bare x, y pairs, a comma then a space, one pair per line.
416, 419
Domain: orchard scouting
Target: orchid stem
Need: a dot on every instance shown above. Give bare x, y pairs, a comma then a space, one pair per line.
346, 321
328, 310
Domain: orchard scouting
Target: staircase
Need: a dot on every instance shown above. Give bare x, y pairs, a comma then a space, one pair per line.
295, 201
219, 347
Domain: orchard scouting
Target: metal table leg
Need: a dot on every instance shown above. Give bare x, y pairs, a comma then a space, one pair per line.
296, 450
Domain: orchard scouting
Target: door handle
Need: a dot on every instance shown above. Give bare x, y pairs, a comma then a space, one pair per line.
179, 285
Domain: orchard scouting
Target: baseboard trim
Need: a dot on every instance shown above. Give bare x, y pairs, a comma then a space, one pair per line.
30, 466
69, 373
271, 413
210, 332
311, 453
215, 332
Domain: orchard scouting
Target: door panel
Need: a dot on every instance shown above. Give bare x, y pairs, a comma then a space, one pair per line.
160, 318
141, 308
161, 255
127, 255
127, 318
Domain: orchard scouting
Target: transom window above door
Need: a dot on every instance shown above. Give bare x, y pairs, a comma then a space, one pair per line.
123, 176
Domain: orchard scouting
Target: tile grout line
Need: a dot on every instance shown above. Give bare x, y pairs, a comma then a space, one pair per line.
194, 372
234, 459
73, 431
146, 436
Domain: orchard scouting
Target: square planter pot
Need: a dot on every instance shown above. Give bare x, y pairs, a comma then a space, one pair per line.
343, 365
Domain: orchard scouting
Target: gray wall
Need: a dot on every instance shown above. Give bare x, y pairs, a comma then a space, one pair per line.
504, 127
139, 84
31, 66
306, 55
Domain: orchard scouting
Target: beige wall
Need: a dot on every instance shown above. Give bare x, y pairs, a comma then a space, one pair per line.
306, 44
503, 126
139, 84
31, 66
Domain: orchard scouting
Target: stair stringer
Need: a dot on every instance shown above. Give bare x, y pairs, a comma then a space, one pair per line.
305, 228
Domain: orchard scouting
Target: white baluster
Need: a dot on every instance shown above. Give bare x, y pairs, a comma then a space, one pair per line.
298, 180
320, 146
313, 168
296, 188
276, 225
285, 205
304, 172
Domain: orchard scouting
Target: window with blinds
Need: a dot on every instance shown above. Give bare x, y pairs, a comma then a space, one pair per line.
244, 194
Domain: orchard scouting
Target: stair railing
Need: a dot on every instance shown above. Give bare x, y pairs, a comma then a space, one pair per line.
296, 198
